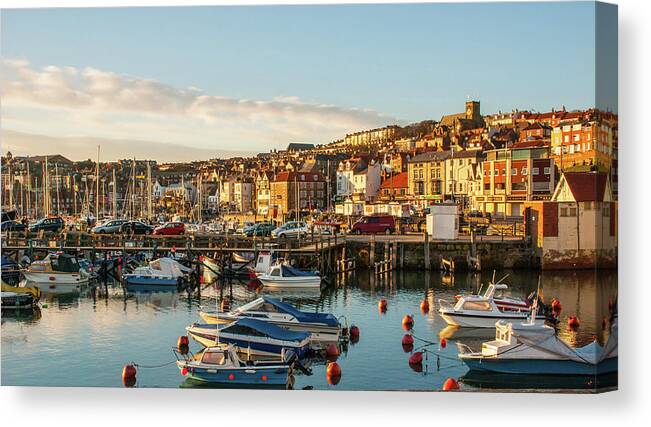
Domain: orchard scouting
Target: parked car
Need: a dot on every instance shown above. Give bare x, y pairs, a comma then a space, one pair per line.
136, 227
12, 226
374, 224
290, 229
54, 224
170, 229
109, 227
259, 229
242, 229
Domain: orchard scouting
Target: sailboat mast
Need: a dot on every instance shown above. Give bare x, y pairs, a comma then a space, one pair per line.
133, 188
149, 190
97, 185
56, 180
29, 192
114, 199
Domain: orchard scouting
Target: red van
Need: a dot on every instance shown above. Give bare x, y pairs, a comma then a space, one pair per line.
374, 224
170, 229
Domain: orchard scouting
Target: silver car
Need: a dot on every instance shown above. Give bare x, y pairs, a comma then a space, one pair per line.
109, 227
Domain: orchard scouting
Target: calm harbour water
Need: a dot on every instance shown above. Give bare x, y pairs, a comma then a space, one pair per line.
78, 340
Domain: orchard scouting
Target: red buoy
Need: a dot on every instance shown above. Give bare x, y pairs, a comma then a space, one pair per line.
407, 348
264, 378
231, 377
183, 340
573, 322
333, 370
556, 307
443, 342
129, 375
424, 306
382, 305
184, 371
407, 339
416, 358
354, 332
407, 322
332, 352
450, 384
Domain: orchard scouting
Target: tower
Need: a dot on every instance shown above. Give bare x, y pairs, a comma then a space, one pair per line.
473, 111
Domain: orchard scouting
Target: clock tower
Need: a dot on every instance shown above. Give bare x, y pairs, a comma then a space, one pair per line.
473, 111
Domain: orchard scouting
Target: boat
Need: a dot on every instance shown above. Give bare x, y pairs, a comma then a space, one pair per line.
221, 365
211, 270
252, 337
323, 327
18, 297
281, 275
482, 311
160, 273
537, 350
58, 271
10, 270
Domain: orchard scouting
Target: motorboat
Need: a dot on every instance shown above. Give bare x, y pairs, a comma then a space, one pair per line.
221, 365
57, 271
482, 311
160, 273
323, 327
252, 337
537, 350
210, 271
17, 297
281, 275
10, 270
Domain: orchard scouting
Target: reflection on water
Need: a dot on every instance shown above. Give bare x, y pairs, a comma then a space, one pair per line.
84, 338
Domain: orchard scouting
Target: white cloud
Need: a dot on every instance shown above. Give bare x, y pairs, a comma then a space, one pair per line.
102, 94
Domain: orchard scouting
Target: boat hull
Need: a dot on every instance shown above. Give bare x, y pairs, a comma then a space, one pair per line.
137, 280
318, 333
15, 300
248, 376
290, 282
539, 366
482, 321
57, 279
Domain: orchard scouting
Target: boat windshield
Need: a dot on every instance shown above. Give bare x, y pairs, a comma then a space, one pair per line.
66, 264
214, 358
477, 305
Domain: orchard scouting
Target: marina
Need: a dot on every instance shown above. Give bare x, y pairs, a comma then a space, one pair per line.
142, 327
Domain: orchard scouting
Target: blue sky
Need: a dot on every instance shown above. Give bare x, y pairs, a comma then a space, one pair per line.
268, 75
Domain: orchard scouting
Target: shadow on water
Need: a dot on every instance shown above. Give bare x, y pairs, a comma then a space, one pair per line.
497, 381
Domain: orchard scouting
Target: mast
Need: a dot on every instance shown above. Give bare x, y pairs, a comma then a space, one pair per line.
46, 205
36, 199
74, 196
133, 188
56, 180
29, 190
97, 185
113, 199
149, 191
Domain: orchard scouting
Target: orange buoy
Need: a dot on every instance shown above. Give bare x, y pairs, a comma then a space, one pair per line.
573, 322
407, 322
129, 375
354, 332
424, 306
264, 378
450, 384
382, 305
416, 358
184, 371
333, 369
183, 340
556, 307
333, 380
407, 339
443, 342
332, 352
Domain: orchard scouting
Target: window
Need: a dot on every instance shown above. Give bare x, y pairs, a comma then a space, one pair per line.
566, 138
524, 171
572, 211
535, 171
497, 172
213, 358
563, 211
503, 172
547, 170
514, 171
477, 305
577, 137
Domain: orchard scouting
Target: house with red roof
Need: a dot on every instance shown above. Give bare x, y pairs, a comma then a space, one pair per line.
395, 187
577, 228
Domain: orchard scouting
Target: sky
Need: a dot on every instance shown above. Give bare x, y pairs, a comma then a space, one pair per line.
187, 83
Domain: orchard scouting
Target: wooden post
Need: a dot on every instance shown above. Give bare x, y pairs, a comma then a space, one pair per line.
394, 255
372, 250
402, 256
428, 265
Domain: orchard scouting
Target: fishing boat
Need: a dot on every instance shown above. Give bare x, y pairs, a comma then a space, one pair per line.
482, 311
281, 275
58, 271
17, 297
160, 273
537, 350
323, 327
221, 365
252, 337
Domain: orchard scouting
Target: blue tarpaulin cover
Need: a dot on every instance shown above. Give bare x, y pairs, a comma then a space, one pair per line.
261, 326
301, 316
293, 272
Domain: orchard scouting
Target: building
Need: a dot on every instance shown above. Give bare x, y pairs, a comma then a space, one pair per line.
462, 171
243, 195
512, 177
395, 187
373, 136
577, 228
297, 190
426, 173
359, 178
263, 192
583, 146
296, 147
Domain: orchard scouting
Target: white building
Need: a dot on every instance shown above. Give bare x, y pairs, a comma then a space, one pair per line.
359, 178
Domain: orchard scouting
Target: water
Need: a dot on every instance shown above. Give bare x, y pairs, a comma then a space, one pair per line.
81, 340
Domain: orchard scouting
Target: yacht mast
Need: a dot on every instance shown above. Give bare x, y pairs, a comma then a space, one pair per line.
97, 185
114, 200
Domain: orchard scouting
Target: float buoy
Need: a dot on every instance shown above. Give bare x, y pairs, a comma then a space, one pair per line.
556, 307
354, 332
173, 250
407, 348
382, 305
182, 341
407, 339
450, 384
332, 352
333, 370
129, 375
443, 342
573, 323
184, 371
416, 358
407, 322
424, 306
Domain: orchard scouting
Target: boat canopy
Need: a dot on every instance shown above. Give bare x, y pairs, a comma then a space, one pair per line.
64, 263
167, 267
289, 271
301, 316
248, 326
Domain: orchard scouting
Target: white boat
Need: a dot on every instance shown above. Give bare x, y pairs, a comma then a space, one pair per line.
58, 271
211, 270
536, 350
323, 327
482, 311
284, 276
163, 273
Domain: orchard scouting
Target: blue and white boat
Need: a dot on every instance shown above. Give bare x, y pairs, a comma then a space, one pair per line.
160, 273
221, 365
323, 327
252, 337
537, 350
281, 275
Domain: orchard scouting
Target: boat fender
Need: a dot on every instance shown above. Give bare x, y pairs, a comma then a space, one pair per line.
129, 375
573, 323
450, 385
407, 339
354, 332
416, 358
443, 343
333, 370
332, 352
